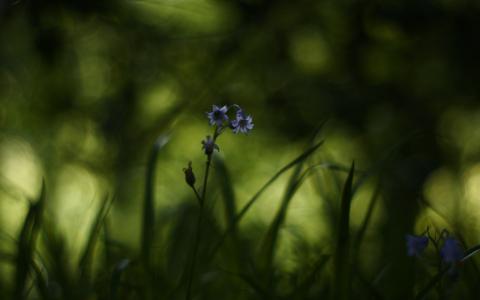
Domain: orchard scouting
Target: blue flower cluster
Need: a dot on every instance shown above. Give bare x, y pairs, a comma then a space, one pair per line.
218, 117
241, 123
416, 244
451, 251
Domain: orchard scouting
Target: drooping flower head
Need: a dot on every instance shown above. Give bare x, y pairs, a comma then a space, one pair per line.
208, 145
243, 123
451, 251
218, 115
416, 244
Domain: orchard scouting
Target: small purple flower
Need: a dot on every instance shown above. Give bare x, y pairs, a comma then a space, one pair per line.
243, 123
208, 145
451, 251
416, 244
218, 115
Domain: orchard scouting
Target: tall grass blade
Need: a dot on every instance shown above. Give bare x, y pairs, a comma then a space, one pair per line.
85, 262
341, 284
148, 204
41, 281
226, 185
257, 288
249, 204
57, 258
270, 240
372, 290
436, 279
383, 162
239, 252
368, 216
296, 180
119, 269
26, 245
431, 284
303, 287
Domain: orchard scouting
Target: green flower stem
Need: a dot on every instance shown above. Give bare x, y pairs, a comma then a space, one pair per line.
201, 200
197, 195
194, 255
205, 179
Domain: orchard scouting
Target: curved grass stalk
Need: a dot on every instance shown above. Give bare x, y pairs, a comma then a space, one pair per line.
436, 279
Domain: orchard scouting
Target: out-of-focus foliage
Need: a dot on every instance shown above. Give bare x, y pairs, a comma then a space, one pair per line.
86, 87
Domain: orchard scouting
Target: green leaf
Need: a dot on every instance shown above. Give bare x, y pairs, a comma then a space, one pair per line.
85, 263
270, 240
296, 180
341, 284
226, 185
249, 204
148, 204
431, 284
302, 288
119, 269
26, 244
366, 220
436, 279
41, 281
383, 162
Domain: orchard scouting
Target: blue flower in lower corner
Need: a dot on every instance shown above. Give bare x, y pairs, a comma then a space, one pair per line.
416, 244
451, 251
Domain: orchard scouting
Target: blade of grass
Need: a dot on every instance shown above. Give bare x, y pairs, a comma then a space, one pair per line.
270, 240
296, 161
294, 183
384, 160
107, 247
380, 275
372, 290
436, 279
26, 244
341, 284
85, 262
119, 269
366, 220
42, 285
327, 187
226, 185
249, 204
431, 284
148, 204
301, 289
261, 291
240, 252
296, 180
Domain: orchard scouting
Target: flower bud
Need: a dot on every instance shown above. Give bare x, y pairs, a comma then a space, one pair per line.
208, 145
189, 176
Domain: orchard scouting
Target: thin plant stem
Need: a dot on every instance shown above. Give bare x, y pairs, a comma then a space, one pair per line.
205, 179
197, 195
200, 217
194, 255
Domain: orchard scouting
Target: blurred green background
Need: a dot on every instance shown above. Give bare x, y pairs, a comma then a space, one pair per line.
86, 87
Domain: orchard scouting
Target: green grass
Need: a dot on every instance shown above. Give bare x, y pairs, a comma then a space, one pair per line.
208, 255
